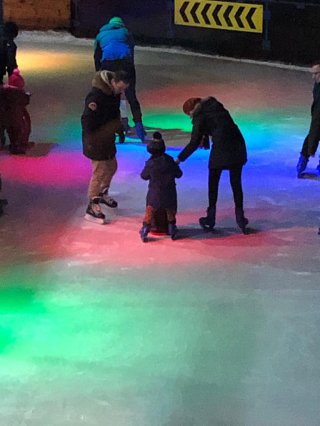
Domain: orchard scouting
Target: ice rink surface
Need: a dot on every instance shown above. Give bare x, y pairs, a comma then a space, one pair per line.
213, 329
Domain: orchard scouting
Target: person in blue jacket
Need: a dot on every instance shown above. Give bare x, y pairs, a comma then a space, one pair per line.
160, 170
114, 51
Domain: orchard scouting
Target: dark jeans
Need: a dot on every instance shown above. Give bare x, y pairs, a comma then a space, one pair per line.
304, 150
128, 66
235, 181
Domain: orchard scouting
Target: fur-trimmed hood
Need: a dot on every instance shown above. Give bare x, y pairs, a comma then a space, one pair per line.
102, 81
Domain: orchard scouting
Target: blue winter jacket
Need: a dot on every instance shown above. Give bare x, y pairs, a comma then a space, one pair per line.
113, 42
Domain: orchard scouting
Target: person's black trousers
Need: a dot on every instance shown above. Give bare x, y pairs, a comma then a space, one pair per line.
304, 150
235, 173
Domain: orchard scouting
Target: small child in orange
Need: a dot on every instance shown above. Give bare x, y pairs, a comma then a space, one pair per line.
161, 171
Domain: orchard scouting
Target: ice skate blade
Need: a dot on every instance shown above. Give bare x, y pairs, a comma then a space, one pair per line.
204, 226
309, 175
96, 220
144, 238
245, 231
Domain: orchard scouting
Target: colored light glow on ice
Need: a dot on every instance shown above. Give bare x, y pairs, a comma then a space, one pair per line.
48, 62
142, 331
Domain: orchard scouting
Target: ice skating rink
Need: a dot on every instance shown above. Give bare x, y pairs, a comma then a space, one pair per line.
100, 329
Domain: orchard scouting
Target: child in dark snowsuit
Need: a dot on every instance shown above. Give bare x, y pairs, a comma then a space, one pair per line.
14, 117
161, 171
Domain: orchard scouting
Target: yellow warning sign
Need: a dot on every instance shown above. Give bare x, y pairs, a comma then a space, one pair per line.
219, 15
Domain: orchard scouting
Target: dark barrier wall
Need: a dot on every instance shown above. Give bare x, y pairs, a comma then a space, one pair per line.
290, 28
38, 14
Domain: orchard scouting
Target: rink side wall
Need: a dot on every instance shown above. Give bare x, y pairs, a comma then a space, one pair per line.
38, 14
290, 29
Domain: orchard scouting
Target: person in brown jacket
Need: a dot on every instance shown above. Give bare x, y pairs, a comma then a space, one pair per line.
101, 122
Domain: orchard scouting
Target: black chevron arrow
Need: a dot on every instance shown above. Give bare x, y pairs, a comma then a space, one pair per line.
183, 11
249, 17
226, 15
215, 13
238, 16
204, 13
193, 12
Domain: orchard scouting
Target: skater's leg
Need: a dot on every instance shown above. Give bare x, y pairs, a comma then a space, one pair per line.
2, 137
171, 215
148, 215
124, 115
318, 167
236, 185
108, 171
132, 98
134, 104
94, 189
304, 149
303, 159
3, 202
131, 95
172, 227
213, 186
208, 222
93, 212
15, 135
146, 225
26, 130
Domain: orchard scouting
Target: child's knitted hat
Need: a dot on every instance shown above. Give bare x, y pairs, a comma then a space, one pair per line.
16, 79
116, 20
190, 104
157, 145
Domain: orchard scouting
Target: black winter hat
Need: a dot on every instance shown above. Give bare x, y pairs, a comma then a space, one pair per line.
157, 145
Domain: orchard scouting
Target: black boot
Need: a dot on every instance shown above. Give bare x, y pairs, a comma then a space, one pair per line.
208, 222
93, 212
107, 200
144, 231
301, 166
242, 221
17, 149
2, 204
172, 230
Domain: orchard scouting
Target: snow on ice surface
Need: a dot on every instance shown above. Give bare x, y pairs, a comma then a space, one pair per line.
98, 328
